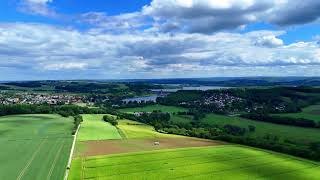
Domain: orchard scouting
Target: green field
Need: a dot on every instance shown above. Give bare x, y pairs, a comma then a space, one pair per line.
94, 128
298, 134
181, 119
34, 147
169, 109
133, 129
311, 112
222, 162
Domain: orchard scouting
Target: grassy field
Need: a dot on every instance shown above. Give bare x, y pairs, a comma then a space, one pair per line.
133, 129
94, 128
221, 162
181, 119
311, 112
298, 134
34, 147
169, 109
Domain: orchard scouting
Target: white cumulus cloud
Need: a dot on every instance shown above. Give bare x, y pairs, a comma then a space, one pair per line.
34, 48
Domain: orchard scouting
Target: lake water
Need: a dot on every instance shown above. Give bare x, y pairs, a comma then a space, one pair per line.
200, 88
152, 98
164, 92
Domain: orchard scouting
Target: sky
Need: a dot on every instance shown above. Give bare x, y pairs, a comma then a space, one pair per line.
143, 39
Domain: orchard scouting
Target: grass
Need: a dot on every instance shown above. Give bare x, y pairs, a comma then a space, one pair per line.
311, 112
293, 133
133, 129
94, 128
169, 109
222, 162
181, 119
34, 146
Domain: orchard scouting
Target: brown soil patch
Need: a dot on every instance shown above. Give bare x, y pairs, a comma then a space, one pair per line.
95, 148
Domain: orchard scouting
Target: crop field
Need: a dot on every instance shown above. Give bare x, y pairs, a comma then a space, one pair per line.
177, 157
94, 128
311, 112
220, 162
34, 147
133, 129
138, 137
298, 134
169, 109
95, 148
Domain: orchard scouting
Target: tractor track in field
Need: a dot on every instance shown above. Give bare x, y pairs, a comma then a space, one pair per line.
55, 161
83, 168
30, 160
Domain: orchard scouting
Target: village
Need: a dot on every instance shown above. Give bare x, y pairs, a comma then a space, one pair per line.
36, 98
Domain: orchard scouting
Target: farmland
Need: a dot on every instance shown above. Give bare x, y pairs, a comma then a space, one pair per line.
133, 129
138, 137
34, 146
311, 112
178, 157
169, 109
298, 134
221, 162
94, 128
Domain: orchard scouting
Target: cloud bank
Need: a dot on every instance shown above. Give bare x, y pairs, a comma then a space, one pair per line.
34, 48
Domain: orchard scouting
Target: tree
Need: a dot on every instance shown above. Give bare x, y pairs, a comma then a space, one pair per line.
110, 120
252, 128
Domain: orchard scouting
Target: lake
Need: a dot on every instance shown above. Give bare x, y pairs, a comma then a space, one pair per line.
189, 88
152, 98
164, 92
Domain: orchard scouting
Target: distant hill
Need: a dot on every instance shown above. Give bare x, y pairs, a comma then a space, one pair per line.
237, 81
215, 81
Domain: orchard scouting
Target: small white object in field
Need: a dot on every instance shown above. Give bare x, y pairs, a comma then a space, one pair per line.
156, 143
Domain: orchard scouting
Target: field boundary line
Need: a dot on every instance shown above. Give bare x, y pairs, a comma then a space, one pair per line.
121, 133
30, 160
71, 153
55, 161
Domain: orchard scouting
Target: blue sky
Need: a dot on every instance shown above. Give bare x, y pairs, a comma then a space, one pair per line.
98, 39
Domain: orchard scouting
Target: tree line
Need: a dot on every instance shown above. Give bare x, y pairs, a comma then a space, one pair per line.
113, 121
300, 122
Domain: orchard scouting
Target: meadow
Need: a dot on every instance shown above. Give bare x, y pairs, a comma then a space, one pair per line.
34, 147
220, 162
284, 132
94, 128
310, 112
184, 119
169, 109
133, 129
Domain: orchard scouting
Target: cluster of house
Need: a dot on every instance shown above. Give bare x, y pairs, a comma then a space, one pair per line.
34, 98
221, 100
138, 114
